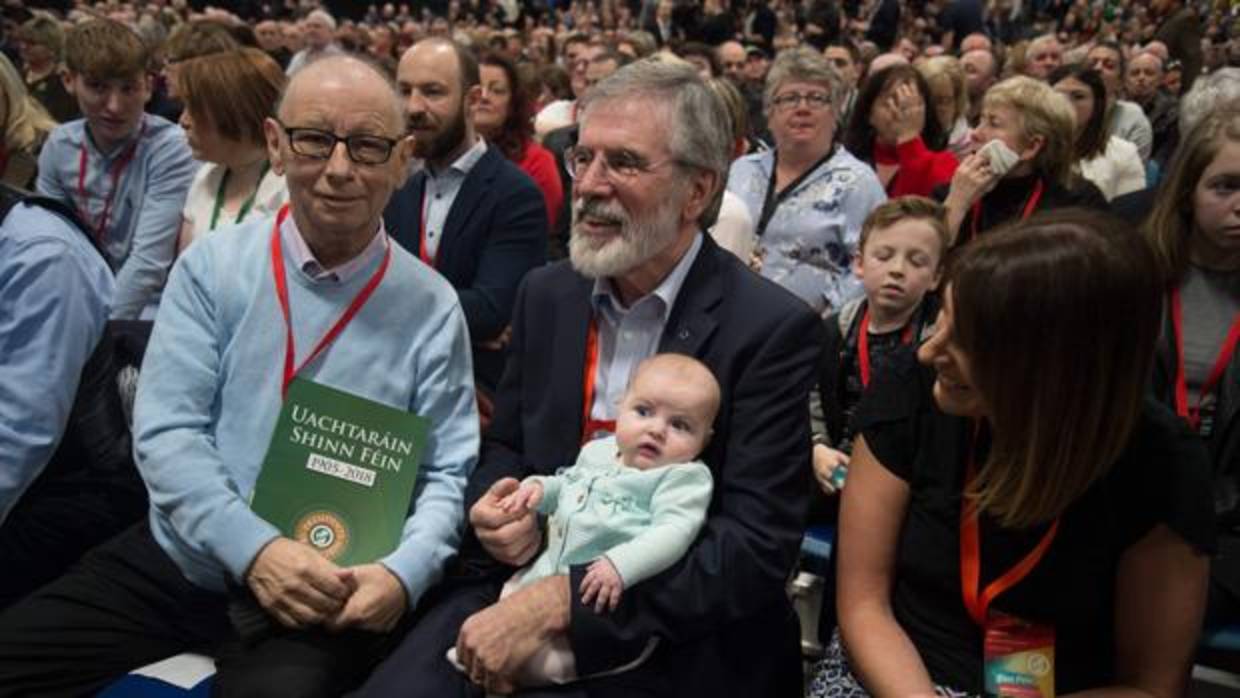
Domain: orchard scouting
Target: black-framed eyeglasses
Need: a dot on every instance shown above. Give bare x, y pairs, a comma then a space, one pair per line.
792, 100
318, 144
617, 164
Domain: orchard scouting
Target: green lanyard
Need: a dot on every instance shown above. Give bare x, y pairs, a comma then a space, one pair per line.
245, 207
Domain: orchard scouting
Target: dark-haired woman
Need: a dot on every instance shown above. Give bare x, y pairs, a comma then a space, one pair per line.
1110, 162
1017, 493
894, 132
503, 117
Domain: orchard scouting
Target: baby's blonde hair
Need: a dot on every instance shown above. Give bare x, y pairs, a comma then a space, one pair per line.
686, 368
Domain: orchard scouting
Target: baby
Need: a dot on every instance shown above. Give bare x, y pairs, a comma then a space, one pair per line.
632, 503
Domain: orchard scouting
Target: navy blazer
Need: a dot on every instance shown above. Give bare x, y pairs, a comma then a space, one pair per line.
495, 232
721, 611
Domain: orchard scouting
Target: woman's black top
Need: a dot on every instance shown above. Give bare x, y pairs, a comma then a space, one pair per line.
1006, 202
1162, 478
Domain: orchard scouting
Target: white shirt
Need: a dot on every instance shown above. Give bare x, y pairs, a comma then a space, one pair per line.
200, 202
1117, 171
734, 228
558, 114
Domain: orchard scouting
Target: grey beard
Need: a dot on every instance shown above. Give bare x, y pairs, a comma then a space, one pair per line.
640, 239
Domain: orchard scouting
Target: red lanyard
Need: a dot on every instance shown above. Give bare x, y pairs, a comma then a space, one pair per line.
1182, 408
277, 270
590, 426
971, 556
1034, 197
863, 345
427, 258
101, 224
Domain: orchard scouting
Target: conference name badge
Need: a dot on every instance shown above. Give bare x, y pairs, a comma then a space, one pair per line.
1020, 658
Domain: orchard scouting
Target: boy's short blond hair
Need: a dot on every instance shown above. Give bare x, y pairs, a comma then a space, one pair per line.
901, 208
104, 49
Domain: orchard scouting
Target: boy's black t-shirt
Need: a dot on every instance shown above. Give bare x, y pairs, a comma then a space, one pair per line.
840, 383
885, 349
1162, 478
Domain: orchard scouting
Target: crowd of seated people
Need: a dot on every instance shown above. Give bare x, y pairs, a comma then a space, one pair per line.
667, 282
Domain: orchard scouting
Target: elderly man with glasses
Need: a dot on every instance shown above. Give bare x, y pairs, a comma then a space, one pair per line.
642, 278
317, 293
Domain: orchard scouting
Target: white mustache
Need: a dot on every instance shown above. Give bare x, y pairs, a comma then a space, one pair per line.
595, 208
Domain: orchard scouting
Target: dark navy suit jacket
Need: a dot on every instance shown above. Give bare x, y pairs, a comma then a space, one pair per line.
722, 613
496, 231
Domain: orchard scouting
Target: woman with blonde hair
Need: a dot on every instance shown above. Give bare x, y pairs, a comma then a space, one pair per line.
1025, 149
1195, 231
228, 96
950, 98
26, 125
1015, 505
41, 45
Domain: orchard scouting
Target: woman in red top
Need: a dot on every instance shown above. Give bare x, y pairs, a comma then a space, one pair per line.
892, 131
503, 118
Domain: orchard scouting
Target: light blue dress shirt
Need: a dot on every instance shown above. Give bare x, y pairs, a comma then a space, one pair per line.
55, 290
441, 190
810, 241
627, 336
145, 216
209, 394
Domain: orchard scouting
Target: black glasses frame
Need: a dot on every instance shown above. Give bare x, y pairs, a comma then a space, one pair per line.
353, 144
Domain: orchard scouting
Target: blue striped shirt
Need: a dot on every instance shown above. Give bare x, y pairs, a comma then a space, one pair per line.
627, 336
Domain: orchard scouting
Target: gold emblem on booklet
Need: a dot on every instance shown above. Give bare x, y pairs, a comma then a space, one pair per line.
323, 531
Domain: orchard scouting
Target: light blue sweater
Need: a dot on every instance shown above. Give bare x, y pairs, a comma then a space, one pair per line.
643, 521
209, 396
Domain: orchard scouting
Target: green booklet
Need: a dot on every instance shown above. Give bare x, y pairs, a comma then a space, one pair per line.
339, 472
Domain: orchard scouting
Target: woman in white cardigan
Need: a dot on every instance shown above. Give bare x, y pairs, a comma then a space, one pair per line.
1111, 163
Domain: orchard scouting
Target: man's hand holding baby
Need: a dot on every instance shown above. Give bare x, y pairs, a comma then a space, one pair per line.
512, 537
525, 498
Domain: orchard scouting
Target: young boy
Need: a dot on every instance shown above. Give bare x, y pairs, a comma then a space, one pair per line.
899, 260
632, 503
125, 172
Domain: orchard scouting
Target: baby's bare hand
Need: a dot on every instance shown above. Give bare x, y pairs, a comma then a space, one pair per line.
601, 586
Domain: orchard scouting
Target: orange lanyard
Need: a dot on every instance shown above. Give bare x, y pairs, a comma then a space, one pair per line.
971, 557
1034, 197
1193, 413
428, 259
101, 223
277, 269
590, 426
863, 345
